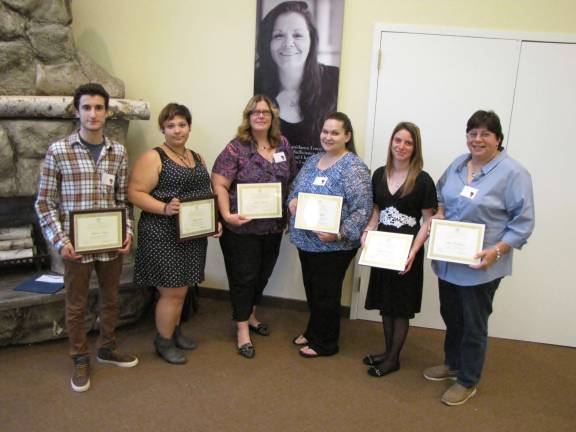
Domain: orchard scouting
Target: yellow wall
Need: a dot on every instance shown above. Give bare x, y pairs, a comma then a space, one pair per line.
201, 53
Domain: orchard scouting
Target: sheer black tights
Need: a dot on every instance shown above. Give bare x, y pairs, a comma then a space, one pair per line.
395, 332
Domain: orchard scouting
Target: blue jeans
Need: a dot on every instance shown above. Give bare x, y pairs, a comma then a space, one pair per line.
465, 311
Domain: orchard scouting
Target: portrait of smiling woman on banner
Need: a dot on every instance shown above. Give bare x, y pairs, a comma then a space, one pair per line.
297, 57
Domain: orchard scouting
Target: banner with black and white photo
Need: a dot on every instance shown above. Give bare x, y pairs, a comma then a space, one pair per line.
298, 48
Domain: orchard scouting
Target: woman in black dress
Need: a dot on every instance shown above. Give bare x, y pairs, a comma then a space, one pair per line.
403, 195
163, 177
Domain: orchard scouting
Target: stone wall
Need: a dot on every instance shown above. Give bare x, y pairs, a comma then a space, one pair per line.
37, 51
38, 61
23, 144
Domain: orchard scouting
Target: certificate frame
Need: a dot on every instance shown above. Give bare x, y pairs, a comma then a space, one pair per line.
308, 205
244, 209
87, 225
440, 232
398, 244
208, 226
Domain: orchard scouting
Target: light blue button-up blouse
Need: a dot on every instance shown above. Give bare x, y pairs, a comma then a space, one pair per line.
504, 203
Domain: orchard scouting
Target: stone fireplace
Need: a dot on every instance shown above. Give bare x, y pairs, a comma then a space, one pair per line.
39, 69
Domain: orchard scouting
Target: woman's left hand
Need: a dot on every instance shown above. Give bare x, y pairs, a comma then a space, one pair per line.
487, 258
126, 245
292, 206
326, 237
409, 263
218, 231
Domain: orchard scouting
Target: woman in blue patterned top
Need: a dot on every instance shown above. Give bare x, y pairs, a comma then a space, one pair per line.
325, 256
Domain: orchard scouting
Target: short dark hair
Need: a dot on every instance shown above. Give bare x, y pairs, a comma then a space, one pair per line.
90, 89
346, 125
172, 110
489, 120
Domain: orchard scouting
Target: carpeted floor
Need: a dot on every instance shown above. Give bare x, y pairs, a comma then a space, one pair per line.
526, 387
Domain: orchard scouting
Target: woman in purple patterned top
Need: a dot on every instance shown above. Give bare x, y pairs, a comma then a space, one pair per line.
258, 154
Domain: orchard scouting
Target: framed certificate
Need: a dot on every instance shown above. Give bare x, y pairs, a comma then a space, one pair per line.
259, 200
386, 250
454, 241
101, 230
316, 212
197, 218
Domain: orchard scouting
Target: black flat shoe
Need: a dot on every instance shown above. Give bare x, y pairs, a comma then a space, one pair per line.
374, 359
379, 372
247, 350
261, 329
294, 341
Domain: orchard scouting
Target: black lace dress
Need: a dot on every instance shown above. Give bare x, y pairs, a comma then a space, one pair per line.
395, 295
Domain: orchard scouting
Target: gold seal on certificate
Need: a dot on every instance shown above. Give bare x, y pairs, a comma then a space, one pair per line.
259, 200
197, 218
454, 241
386, 250
101, 230
316, 212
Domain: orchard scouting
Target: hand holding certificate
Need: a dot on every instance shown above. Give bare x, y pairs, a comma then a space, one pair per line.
259, 200
456, 242
317, 212
93, 231
197, 218
386, 250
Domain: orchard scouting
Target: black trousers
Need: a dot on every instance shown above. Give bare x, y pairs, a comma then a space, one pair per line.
323, 274
249, 260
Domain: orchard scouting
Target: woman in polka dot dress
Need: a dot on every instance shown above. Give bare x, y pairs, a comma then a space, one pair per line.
161, 179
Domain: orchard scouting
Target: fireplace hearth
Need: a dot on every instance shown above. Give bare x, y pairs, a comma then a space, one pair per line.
21, 239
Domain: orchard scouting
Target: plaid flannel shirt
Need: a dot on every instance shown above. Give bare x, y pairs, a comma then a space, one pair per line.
70, 180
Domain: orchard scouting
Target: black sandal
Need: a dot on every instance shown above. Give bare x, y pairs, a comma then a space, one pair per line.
301, 344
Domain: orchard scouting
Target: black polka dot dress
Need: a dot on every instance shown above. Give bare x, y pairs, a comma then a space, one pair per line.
161, 260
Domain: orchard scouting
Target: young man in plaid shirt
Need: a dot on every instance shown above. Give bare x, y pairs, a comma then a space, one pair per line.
86, 171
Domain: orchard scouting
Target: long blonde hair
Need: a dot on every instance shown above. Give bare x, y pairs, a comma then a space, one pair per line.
416, 161
244, 133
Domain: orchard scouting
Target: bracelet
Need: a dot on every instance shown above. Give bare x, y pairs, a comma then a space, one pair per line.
164, 210
498, 253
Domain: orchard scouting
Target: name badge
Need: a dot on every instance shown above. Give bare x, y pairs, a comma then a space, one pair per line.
279, 157
469, 192
108, 179
320, 181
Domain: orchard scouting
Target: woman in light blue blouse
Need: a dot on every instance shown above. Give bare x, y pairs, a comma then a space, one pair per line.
484, 186
325, 256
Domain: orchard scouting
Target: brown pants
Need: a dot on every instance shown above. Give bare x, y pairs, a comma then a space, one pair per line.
76, 282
